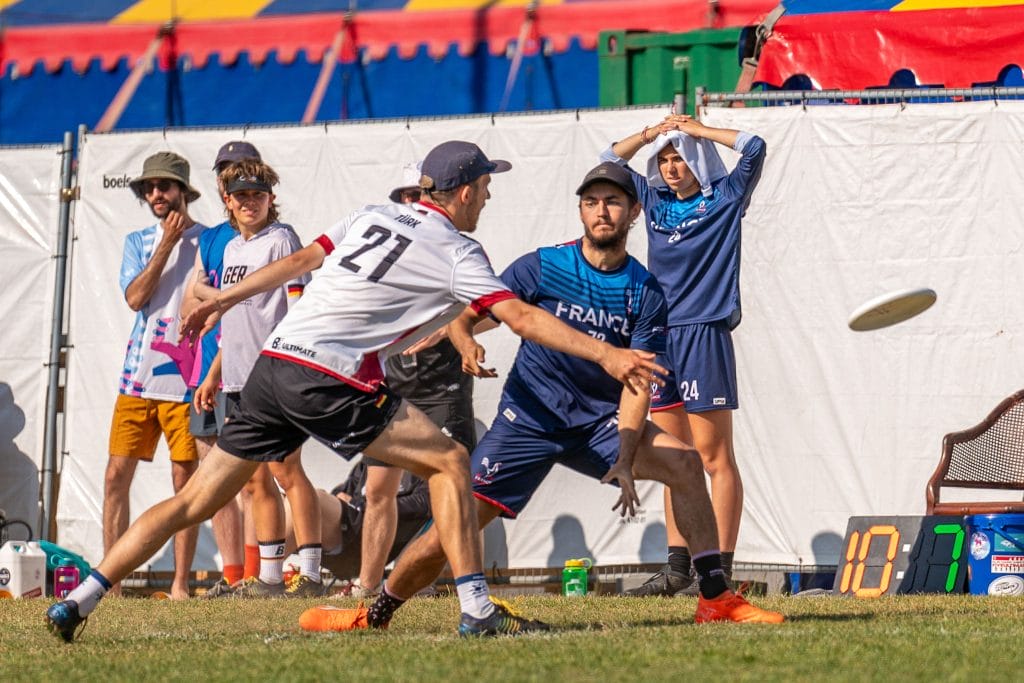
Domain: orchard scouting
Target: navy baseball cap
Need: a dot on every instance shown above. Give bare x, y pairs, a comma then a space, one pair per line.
455, 163
609, 172
236, 150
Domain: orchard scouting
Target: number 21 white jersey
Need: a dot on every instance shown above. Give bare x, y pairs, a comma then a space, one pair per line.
393, 274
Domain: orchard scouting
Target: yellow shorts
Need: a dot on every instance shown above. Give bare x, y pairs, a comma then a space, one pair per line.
138, 423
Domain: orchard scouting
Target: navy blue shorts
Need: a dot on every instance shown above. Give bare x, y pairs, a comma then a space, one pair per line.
702, 369
512, 460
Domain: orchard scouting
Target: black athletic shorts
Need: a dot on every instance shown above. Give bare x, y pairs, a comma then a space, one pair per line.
284, 403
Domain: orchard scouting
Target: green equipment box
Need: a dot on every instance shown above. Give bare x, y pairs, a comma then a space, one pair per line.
637, 67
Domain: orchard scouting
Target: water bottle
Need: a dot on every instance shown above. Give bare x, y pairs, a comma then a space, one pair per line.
575, 576
65, 578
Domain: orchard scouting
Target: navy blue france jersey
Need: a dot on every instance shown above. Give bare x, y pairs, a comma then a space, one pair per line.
693, 245
625, 307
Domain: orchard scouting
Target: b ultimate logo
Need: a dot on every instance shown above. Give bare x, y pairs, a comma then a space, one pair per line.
116, 182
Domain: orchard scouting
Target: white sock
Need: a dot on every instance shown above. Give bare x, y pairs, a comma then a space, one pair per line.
88, 594
272, 562
309, 561
474, 596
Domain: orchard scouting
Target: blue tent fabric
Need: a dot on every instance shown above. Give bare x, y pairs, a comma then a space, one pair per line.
795, 7
272, 92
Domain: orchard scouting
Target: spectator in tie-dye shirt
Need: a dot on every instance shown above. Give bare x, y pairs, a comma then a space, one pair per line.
154, 397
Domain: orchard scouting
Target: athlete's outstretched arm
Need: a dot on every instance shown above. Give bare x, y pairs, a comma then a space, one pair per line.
204, 316
635, 369
483, 324
461, 331
633, 408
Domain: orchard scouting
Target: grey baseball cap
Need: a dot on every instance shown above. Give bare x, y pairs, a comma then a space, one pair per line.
609, 172
236, 150
455, 163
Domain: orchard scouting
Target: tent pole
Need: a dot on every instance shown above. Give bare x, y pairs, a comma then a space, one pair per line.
517, 57
58, 342
330, 60
131, 84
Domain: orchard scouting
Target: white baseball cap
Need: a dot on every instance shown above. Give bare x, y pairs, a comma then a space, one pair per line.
410, 181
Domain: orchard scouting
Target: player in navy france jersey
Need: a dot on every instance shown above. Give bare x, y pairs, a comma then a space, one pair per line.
558, 409
694, 210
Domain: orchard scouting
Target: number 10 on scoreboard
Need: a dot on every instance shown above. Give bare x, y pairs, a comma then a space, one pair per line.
887, 555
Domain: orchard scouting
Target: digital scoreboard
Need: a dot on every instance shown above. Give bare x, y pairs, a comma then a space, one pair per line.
906, 554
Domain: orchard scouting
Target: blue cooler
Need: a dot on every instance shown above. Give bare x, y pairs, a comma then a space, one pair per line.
996, 563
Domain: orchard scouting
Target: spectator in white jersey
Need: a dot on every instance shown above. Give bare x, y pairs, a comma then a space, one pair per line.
433, 381
209, 269
397, 273
262, 239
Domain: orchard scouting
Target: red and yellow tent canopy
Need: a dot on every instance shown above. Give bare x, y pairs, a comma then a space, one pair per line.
853, 44
51, 32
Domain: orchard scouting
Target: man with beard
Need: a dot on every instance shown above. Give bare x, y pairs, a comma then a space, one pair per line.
556, 408
153, 398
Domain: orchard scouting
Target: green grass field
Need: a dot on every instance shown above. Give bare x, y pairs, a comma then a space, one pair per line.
598, 638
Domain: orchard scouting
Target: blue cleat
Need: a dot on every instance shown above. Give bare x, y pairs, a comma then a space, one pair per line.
502, 622
62, 619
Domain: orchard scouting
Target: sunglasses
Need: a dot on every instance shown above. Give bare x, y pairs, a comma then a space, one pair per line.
162, 184
410, 195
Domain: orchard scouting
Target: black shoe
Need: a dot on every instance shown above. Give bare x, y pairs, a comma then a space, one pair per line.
503, 621
63, 621
665, 582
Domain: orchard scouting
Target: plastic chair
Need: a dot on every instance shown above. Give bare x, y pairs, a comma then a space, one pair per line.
989, 455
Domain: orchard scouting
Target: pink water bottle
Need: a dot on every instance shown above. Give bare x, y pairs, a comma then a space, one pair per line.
65, 578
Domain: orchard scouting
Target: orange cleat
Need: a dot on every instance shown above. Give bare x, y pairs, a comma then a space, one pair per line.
328, 618
732, 607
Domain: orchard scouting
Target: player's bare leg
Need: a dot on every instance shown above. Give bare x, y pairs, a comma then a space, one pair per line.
662, 457
414, 443
219, 477
186, 539
423, 559
117, 482
380, 523
711, 433
268, 521
227, 525
304, 505
712, 437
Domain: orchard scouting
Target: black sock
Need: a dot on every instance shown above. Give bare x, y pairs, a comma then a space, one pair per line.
710, 575
679, 559
727, 565
383, 608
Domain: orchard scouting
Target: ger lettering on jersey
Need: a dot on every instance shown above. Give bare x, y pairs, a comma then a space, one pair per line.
247, 325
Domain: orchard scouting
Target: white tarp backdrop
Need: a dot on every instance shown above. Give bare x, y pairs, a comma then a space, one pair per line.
854, 202
29, 191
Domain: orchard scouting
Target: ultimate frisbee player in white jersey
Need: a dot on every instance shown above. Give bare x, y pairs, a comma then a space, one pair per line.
391, 275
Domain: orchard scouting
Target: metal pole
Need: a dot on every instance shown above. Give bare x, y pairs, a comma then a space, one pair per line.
57, 341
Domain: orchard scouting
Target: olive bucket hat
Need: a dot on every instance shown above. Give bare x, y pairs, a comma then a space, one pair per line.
165, 165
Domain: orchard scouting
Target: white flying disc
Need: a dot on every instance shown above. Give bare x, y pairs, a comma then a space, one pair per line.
891, 308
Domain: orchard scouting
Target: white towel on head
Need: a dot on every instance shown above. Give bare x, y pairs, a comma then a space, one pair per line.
699, 154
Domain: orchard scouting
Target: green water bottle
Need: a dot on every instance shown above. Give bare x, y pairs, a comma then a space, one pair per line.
575, 576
